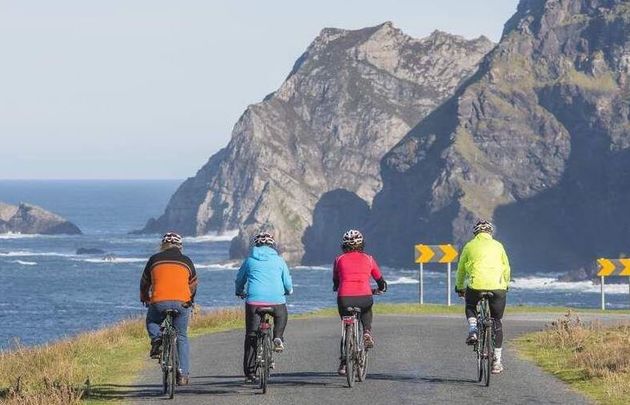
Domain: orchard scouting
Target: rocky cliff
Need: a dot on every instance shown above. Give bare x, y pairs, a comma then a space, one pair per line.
538, 141
31, 219
319, 139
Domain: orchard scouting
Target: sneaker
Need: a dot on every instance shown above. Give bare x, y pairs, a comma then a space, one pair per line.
250, 379
368, 341
182, 380
497, 367
156, 348
472, 338
342, 369
278, 345
272, 365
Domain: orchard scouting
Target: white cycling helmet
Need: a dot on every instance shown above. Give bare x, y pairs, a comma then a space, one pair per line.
352, 238
173, 239
483, 226
264, 238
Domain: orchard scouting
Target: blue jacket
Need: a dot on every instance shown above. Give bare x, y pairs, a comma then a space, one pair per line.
267, 277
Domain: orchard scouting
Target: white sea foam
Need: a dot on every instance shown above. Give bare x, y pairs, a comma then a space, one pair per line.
312, 268
24, 262
403, 280
11, 235
113, 260
218, 266
212, 237
26, 253
551, 284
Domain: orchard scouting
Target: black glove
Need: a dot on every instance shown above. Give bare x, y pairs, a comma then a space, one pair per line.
461, 293
382, 284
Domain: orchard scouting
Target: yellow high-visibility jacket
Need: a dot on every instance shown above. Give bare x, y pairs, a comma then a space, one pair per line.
483, 265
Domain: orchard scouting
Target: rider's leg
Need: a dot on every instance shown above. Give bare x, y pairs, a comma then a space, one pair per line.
180, 322
249, 347
497, 307
472, 298
280, 316
154, 320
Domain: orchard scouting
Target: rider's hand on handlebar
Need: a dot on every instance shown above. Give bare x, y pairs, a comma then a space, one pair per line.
461, 293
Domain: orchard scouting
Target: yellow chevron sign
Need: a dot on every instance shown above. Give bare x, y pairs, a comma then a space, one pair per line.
613, 267
435, 253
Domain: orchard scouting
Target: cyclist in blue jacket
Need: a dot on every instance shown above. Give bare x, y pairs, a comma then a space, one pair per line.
264, 280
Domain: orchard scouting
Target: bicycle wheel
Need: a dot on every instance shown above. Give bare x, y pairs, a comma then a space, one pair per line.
362, 360
479, 353
489, 354
264, 380
173, 366
164, 362
349, 348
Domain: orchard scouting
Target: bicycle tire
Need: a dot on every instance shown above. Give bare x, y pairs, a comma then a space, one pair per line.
266, 352
479, 351
349, 355
488, 359
164, 362
173, 366
362, 360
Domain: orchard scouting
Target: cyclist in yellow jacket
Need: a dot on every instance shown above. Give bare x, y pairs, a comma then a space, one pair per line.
484, 266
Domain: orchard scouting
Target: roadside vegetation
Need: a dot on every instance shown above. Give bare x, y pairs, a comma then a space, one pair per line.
88, 365
591, 357
92, 367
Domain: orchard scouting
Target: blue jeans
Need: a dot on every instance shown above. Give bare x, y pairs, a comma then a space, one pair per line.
155, 317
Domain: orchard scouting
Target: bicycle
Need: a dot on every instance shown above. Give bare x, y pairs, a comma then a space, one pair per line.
264, 351
169, 359
484, 347
355, 354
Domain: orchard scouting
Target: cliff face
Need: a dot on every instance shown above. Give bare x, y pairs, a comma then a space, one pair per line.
30, 219
348, 100
537, 141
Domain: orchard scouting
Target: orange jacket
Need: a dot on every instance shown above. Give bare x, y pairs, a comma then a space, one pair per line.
168, 276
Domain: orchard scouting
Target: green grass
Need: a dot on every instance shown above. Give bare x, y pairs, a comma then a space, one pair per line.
56, 373
591, 358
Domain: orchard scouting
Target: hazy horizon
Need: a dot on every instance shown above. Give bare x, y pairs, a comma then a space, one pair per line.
151, 89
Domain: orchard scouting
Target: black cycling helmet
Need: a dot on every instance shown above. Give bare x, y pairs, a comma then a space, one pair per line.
483, 226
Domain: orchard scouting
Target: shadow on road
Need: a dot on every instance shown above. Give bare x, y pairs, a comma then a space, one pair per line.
414, 378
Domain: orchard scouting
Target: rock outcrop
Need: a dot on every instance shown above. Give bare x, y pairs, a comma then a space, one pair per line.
348, 100
31, 219
538, 141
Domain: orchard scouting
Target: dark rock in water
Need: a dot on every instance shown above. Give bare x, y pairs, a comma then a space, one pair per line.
538, 141
90, 251
31, 219
349, 98
110, 257
578, 275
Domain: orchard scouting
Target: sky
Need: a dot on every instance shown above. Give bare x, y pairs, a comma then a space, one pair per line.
150, 89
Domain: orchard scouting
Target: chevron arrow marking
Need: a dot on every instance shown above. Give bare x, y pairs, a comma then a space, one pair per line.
450, 253
625, 271
424, 253
607, 267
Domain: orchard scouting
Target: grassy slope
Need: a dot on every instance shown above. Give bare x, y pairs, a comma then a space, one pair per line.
117, 354
592, 358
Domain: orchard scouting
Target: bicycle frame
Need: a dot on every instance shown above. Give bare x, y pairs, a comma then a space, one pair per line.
485, 344
356, 360
169, 359
264, 355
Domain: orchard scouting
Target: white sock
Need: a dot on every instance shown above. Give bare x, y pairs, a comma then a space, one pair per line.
472, 325
497, 354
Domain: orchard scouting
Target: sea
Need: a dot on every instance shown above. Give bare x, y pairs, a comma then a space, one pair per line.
48, 291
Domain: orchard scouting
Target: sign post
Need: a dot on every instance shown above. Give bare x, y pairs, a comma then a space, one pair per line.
612, 267
427, 254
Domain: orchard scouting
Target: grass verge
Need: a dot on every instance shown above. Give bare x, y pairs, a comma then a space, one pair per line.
592, 358
66, 371
88, 365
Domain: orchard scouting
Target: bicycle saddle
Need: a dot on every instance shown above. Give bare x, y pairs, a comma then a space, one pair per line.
265, 310
171, 312
354, 310
486, 294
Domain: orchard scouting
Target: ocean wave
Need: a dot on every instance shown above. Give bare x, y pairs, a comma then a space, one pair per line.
549, 283
312, 268
226, 236
113, 260
24, 262
218, 266
26, 253
403, 280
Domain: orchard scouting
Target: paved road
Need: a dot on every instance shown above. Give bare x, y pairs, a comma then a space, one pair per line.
418, 359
